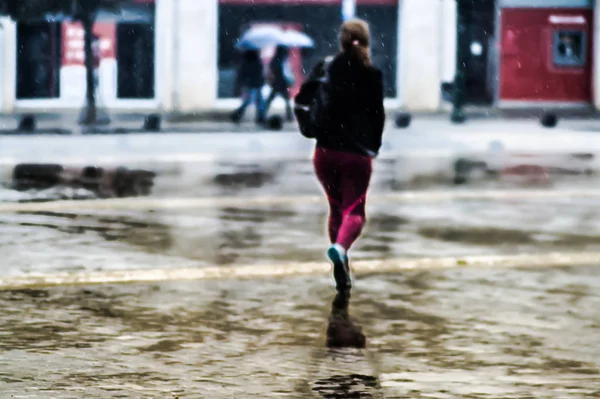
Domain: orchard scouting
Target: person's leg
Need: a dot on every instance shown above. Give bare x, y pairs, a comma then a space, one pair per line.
355, 178
258, 101
268, 102
335, 219
329, 168
238, 114
285, 93
329, 178
355, 174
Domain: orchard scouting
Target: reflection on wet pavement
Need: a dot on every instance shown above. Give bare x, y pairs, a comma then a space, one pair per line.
149, 235
108, 240
342, 334
191, 178
455, 333
490, 333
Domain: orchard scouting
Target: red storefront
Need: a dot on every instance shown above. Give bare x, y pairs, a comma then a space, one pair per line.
545, 52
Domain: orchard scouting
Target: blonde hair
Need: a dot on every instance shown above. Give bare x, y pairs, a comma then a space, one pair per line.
355, 39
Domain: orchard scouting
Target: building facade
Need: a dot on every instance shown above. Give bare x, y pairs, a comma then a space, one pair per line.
43, 62
518, 53
178, 56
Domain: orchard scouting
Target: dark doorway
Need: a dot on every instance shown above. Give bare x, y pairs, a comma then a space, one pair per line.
38, 60
480, 68
135, 60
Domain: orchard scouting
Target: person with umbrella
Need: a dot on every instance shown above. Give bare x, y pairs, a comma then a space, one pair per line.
279, 76
251, 79
280, 79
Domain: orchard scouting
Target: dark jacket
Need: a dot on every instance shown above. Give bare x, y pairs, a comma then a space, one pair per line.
251, 73
276, 69
354, 116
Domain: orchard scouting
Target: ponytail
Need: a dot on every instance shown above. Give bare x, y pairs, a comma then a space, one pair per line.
362, 53
354, 39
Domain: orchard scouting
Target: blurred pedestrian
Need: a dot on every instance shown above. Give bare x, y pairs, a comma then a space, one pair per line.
348, 133
97, 58
280, 78
251, 79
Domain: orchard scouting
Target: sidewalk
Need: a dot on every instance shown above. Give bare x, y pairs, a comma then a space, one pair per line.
66, 122
426, 134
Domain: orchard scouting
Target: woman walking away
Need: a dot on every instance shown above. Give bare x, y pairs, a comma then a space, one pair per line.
348, 129
280, 79
251, 79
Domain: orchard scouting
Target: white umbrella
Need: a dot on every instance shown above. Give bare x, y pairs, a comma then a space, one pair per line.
260, 36
293, 38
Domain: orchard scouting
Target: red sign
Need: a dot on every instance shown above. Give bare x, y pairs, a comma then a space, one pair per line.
73, 42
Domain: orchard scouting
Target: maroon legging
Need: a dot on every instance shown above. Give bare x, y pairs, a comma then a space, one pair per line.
345, 177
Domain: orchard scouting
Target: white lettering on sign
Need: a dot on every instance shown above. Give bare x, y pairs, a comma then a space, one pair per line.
567, 19
75, 56
105, 44
75, 44
73, 32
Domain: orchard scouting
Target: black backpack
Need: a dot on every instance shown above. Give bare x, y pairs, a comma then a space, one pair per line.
311, 101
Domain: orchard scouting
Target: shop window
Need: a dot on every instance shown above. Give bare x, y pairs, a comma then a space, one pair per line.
135, 61
570, 48
318, 19
236, 17
136, 49
38, 60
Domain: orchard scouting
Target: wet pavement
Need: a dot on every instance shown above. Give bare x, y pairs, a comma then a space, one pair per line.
103, 240
222, 162
462, 333
275, 178
448, 334
489, 333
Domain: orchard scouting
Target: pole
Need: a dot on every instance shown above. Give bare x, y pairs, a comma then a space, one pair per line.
90, 114
462, 44
348, 9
